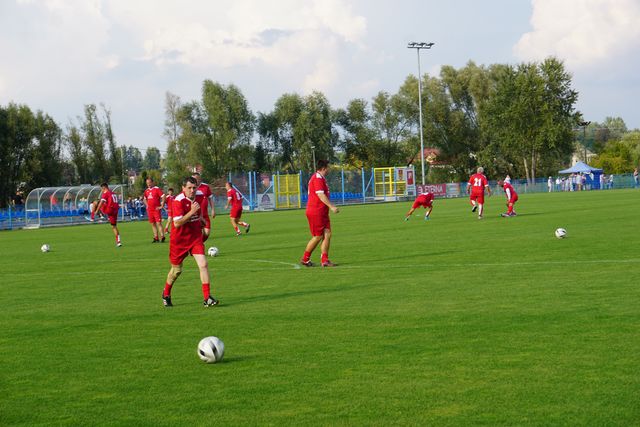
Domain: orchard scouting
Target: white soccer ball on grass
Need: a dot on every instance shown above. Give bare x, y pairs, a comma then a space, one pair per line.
211, 349
561, 233
213, 251
45, 248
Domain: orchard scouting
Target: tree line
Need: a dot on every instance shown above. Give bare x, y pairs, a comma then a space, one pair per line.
512, 119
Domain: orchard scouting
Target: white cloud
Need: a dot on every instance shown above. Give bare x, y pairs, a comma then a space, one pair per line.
584, 33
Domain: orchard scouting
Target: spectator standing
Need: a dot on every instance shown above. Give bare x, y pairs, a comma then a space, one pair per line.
550, 184
635, 178
611, 181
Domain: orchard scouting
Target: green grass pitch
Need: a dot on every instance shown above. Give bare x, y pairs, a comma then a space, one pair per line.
451, 321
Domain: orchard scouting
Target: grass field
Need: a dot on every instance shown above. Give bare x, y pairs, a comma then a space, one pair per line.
453, 321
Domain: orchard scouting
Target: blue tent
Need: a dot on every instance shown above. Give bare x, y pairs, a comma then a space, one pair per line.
584, 168
581, 167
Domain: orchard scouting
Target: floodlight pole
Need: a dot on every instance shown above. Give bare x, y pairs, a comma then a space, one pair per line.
417, 46
313, 152
584, 125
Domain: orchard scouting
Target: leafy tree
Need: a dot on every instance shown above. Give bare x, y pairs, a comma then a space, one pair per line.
531, 115
132, 158
94, 139
116, 162
358, 142
45, 163
616, 158
79, 155
16, 134
152, 159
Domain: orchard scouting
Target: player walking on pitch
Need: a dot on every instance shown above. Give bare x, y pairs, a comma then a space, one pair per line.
425, 200
234, 198
208, 195
186, 239
109, 206
318, 206
477, 184
153, 201
512, 196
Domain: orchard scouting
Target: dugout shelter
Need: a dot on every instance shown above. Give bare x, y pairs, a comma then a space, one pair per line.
53, 206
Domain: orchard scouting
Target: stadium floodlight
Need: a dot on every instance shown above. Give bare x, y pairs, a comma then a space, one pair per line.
417, 46
584, 125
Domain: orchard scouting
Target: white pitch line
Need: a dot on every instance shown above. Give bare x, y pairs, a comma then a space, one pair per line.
500, 264
290, 264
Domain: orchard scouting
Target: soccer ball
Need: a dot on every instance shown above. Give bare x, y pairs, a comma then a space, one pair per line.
211, 349
561, 233
213, 251
45, 248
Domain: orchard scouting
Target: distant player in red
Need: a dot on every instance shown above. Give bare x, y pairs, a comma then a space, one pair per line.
154, 200
185, 240
108, 205
208, 195
168, 202
425, 200
477, 184
512, 196
318, 206
234, 199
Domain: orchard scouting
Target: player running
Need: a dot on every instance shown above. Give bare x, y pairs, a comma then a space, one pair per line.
153, 201
234, 198
108, 205
318, 206
425, 200
208, 195
477, 184
185, 240
512, 196
169, 202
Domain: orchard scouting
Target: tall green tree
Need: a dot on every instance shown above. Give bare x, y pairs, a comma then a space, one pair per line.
531, 116
93, 134
116, 161
152, 158
358, 141
16, 135
46, 162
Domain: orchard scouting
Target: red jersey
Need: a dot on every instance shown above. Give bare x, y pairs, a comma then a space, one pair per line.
317, 185
425, 198
509, 191
110, 204
478, 182
190, 232
205, 189
169, 201
153, 196
235, 198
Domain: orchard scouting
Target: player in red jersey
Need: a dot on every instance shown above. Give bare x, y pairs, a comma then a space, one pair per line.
153, 201
425, 200
208, 195
318, 206
477, 184
234, 198
185, 240
168, 201
108, 205
512, 196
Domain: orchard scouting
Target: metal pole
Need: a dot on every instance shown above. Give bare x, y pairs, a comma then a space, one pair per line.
364, 197
343, 186
420, 115
313, 152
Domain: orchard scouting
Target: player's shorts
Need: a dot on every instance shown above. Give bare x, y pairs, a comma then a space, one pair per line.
113, 219
318, 223
513, 199
478, 197
178, 254
236, 212
417, 204
154, 215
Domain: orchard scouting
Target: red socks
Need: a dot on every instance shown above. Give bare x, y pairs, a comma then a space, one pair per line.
306, 256
324, 258
206, 290
167, 290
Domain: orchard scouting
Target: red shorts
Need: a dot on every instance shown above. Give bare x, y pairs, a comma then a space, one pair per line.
318, 223
417, 204
177, 254
513, 199
236, 212
154, 215
479, 198
113, 219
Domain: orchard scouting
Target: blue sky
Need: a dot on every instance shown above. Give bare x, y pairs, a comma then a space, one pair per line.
58, 55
